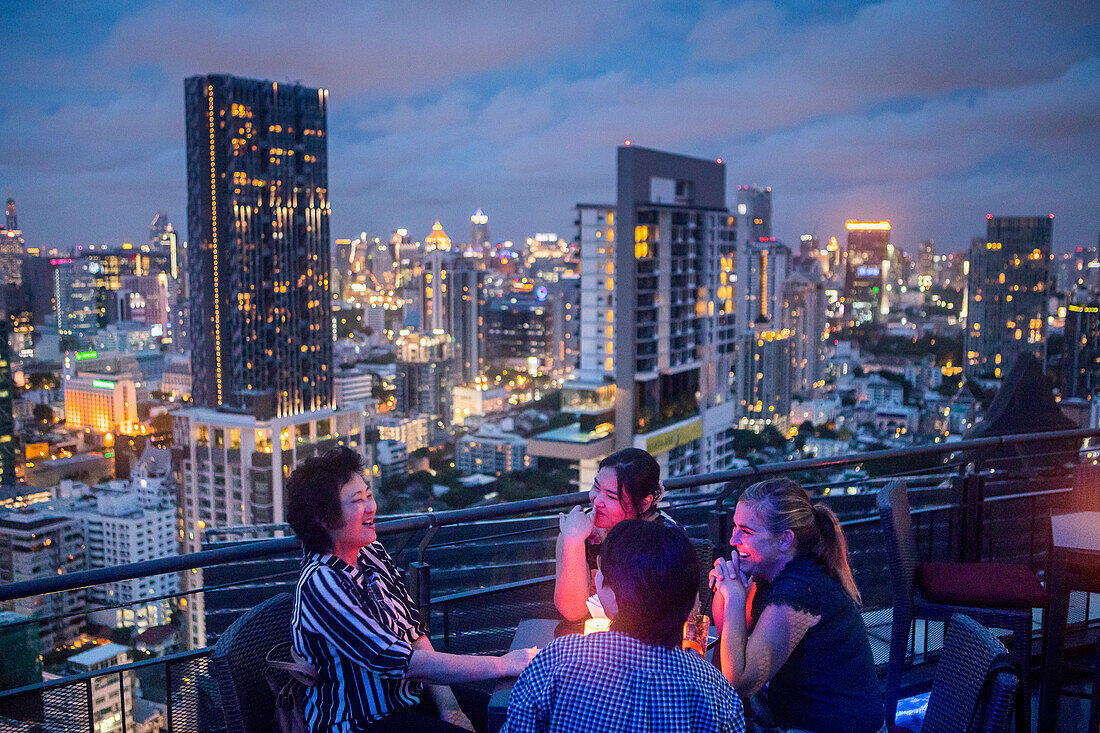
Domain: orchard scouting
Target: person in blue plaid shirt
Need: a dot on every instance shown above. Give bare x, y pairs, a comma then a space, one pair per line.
635, 678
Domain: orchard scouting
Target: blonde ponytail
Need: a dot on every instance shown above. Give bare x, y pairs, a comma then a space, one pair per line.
784, 505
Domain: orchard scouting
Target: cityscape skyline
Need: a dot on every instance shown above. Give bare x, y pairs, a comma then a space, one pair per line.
965, 112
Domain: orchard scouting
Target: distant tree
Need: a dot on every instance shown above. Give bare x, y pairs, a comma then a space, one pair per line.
43, 413
161, 424
772, 437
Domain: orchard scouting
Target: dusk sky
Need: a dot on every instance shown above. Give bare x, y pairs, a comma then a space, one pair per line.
929, 113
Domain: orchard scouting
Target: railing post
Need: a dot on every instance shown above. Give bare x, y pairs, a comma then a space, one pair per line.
168, 696
91, 708
972, 488
420, 588
122, 699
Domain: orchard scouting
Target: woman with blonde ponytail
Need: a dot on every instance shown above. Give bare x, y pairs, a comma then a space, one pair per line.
787, 609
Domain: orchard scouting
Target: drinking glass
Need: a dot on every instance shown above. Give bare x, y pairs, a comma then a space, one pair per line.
696, 631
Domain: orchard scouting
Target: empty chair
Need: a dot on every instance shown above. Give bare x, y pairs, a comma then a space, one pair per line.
239, 664
971, 691
998, 595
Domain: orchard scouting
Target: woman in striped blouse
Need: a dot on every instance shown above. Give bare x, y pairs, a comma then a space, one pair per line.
355, 622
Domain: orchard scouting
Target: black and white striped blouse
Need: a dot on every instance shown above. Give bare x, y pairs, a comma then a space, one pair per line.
356, 626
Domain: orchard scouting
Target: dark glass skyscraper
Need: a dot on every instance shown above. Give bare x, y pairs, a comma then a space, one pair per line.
1007, 293
258, 252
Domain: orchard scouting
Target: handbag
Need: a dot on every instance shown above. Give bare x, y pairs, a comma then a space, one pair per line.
289, 689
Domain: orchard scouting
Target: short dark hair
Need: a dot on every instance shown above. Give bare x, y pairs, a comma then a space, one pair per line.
313, 495
652, 568
638, 475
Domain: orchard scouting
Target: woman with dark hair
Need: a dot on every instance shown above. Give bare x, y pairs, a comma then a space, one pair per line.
627, 486
787, 608
354, 621
635, 676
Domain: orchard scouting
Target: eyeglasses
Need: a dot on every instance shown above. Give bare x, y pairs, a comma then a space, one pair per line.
374, 590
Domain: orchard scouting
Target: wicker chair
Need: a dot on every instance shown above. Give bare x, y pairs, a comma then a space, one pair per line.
969, 651
911, 599
704, 553
238, 664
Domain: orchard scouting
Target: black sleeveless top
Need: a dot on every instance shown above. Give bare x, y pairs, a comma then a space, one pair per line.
592, 549
828, 684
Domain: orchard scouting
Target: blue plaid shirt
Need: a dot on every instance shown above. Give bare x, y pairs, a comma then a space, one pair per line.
609, 681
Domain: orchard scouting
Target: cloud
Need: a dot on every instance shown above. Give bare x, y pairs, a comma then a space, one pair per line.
926, 112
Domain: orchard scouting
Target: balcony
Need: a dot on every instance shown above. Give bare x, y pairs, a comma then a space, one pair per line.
477, 572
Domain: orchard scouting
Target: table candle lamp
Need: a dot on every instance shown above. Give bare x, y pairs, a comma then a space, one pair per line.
596, 624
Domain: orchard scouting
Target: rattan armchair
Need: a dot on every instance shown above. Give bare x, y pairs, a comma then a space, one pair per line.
239, 664
1018, 585
961, 699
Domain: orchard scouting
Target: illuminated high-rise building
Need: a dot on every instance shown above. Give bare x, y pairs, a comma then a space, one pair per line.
756, 205
11, 248
437, 239
867, 272
804, 315
479, 232
259, 246
658, 331
424, 377
926, 264
1007, 293
1081, 360
466, 305
162, 237
7, 416
75, 300
258, 262
35, 544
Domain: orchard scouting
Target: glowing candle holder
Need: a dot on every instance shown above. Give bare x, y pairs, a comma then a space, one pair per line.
593, 625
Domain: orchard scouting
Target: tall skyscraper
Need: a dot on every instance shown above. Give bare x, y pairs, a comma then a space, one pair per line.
259, 246
869, 258
11, 248
926, 264
479, 232
467, 284
424, 377
761, 293
261, 331
162, 237
1007, 293
7, 416
756, 205
1081, 360
75, 299
804, 315
658, 334
437, 239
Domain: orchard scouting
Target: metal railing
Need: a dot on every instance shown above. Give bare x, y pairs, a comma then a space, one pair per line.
964, 503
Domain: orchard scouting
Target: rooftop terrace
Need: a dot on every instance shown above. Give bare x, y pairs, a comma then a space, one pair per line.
477, 572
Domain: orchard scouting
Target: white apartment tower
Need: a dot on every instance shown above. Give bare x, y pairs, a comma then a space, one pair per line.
233, 468
658, 320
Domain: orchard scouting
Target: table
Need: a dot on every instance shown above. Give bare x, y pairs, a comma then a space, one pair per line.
539, 632
1075, 565
532, 632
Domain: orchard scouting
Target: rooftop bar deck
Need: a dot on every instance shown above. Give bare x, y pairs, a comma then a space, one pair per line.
476, 573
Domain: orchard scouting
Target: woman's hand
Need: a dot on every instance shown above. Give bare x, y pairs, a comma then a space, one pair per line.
517, 660
730, 586
576, 525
